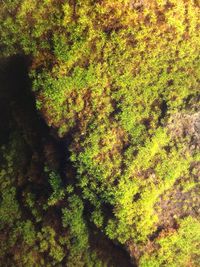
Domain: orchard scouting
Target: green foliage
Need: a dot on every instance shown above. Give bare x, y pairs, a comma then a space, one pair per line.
58, 192
9, 210
176, 249
26, 229
27, 233
73, 219
9, 206
47, 238
110, 75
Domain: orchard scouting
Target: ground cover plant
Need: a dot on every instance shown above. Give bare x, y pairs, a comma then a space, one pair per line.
117, 84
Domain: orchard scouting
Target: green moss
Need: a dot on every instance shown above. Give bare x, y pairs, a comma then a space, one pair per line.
109, 75
177, 249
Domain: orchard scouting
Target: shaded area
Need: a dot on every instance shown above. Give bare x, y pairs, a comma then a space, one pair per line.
18, 114
106, 248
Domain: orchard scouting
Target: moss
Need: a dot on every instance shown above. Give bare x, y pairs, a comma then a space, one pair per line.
109, 76
177, 249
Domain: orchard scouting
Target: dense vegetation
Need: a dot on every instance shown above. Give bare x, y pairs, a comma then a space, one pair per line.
118, 81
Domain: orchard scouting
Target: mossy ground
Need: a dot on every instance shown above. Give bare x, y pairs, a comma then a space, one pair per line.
120, 81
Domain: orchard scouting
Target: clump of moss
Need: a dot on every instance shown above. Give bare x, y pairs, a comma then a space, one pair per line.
110, 76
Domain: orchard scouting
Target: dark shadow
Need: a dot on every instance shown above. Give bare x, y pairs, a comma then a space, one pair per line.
18, 109
17, 104
15, 91
116, 255
19, 117
164, 109
18, 113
